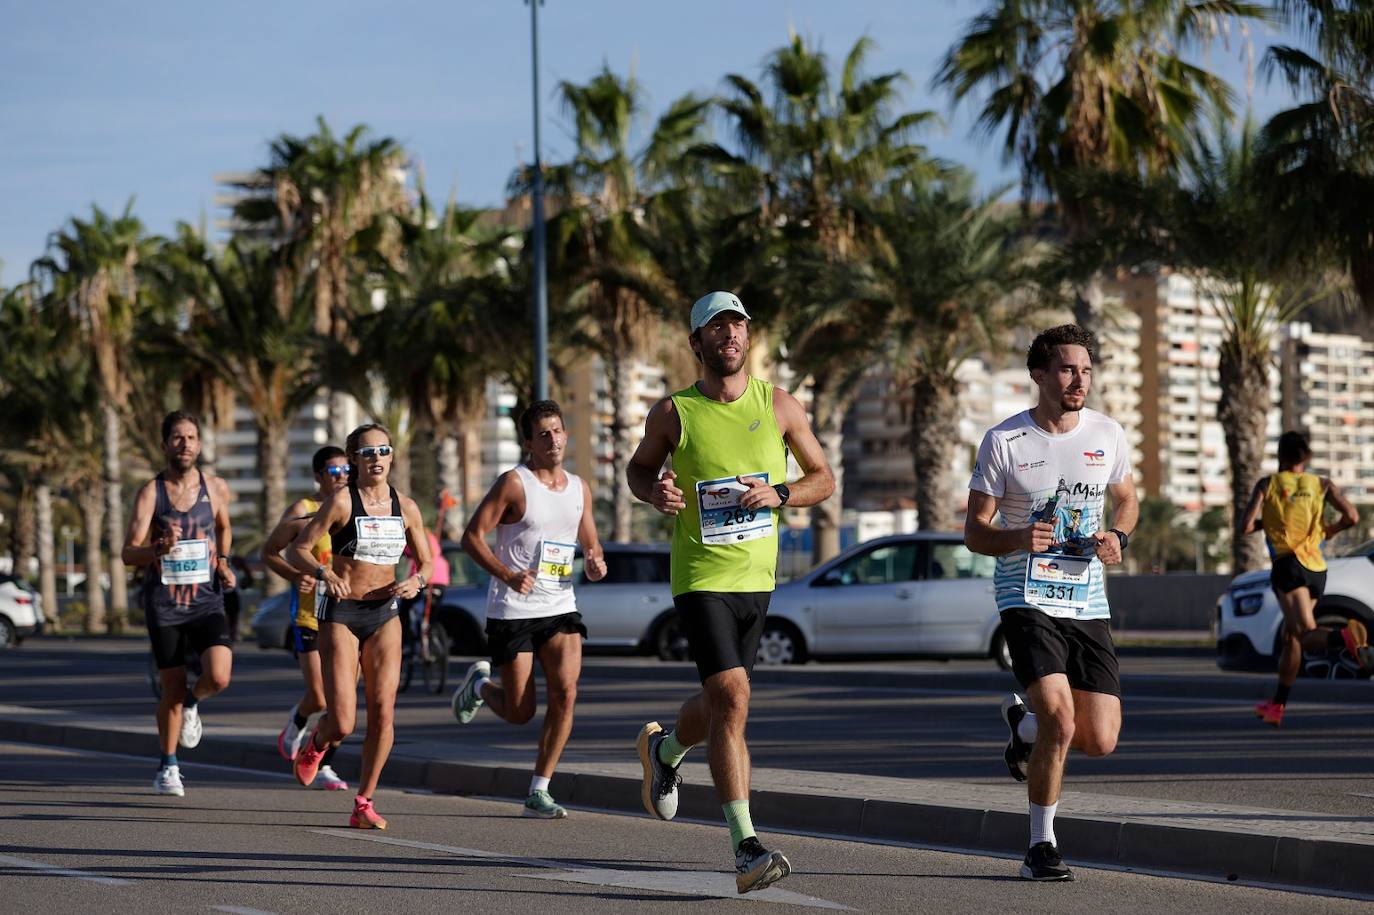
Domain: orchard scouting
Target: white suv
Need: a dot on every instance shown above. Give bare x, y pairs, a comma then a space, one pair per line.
1249, 619
21, 611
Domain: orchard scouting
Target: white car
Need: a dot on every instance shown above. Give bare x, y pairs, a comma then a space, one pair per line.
21, 611
914, 595
1248, 617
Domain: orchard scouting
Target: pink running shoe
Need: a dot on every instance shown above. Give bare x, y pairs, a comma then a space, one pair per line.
1271, 712
307, 762
364, 816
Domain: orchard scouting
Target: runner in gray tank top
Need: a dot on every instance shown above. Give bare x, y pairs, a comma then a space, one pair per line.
540, 513
180, 532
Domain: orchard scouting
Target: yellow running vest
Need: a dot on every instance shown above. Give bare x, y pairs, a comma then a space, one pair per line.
717, 545
323, 551
1292, 518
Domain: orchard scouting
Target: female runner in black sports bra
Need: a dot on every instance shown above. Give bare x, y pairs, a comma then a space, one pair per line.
370, 524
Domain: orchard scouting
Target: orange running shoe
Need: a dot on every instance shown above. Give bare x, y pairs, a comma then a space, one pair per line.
365, 816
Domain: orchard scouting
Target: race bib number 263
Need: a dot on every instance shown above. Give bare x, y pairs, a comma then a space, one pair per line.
724, 520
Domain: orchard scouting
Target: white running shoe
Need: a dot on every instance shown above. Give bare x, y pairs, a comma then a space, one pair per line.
329, 780
466, 700
168, 781
288, 741
190, 726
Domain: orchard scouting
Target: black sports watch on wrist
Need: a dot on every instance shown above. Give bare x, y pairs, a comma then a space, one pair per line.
783, 492
319, 572
1121, 535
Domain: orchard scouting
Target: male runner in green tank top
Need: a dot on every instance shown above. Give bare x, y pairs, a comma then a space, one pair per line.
728, 435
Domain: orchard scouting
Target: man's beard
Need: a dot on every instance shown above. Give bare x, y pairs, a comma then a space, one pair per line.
716, 362
1068, 406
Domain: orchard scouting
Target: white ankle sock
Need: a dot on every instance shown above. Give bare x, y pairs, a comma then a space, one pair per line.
1042, 823
1028, 728
478, 684
539, 783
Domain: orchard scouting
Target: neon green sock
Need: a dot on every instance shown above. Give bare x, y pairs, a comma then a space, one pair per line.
670, 750
741, 826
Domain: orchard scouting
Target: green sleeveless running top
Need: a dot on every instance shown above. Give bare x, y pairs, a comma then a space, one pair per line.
717, 544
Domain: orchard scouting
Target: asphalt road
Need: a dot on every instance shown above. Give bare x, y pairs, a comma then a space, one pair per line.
82, 834
1180, 743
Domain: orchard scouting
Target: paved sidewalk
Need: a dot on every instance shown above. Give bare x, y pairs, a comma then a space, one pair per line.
1321, 851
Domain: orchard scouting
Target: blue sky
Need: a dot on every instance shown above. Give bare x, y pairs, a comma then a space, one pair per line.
102, 101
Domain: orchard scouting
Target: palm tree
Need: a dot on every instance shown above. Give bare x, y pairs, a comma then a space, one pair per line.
1162, 539
798, 167
326, 199
1085, 85
257, 338
598, 264
945, 280
1320, 154
445, 330
92, 269
1213, 221
51, 431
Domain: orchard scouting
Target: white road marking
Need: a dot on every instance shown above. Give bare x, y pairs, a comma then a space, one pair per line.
239, 910
62, 871
688, 883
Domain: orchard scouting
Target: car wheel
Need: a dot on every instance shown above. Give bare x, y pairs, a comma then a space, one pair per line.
9, 638
670, 642
781, 643
1001, 652
1321, 665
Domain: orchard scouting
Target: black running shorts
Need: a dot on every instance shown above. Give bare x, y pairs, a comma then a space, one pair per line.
508, 638
304, 640
172, 643
1288, 575
723, 628
1081, 649
362, 617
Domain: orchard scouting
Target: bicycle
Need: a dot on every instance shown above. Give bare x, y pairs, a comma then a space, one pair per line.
426, 647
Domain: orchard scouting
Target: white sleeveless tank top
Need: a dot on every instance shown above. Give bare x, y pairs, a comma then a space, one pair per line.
544, 539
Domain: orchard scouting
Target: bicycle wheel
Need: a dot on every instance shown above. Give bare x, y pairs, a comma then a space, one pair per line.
435, 670
408, 663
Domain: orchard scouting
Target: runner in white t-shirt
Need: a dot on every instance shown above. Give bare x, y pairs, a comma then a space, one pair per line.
540, 513
1046, 472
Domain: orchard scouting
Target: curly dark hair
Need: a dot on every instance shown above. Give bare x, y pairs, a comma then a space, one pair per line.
1042, 347
534, 413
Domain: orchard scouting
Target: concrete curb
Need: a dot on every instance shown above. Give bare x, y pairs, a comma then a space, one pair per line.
1314, 863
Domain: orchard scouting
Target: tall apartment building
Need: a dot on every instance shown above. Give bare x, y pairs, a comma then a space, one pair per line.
1328, 393
1182, 442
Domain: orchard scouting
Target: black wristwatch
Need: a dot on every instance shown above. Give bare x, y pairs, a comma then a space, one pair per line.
783, 492
1121, 535
319, 572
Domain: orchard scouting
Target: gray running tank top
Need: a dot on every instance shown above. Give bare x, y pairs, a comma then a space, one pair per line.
184, 584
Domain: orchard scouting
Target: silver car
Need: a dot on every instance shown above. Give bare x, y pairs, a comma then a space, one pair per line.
912, 595
630, 610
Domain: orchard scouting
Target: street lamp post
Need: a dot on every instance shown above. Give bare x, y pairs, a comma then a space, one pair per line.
541, 294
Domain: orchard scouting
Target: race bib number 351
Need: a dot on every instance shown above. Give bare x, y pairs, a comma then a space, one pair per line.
1055, 581
723, 520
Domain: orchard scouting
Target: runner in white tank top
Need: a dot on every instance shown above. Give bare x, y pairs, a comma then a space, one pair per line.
540, 513
543, 540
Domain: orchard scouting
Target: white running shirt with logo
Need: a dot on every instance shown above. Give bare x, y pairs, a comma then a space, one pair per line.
1024, 467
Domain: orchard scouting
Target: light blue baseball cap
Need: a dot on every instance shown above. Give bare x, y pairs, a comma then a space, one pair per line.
712, 304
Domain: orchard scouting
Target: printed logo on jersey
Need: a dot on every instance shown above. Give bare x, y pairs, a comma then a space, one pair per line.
1096, 458
755, 425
